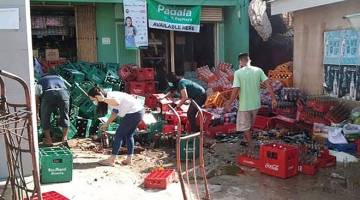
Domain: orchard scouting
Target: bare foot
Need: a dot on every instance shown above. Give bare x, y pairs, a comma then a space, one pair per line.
126, 162
107, 162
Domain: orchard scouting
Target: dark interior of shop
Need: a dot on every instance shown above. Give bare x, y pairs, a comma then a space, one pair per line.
54, 28
279, 47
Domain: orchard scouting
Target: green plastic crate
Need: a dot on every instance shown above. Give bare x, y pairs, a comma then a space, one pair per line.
74, 112
73, 75
57, 131
56, 165
78, 95
190, 149
87, 109
113, 67
83, 127
95, 75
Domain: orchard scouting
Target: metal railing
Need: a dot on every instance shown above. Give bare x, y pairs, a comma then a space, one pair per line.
184, 176
16, 128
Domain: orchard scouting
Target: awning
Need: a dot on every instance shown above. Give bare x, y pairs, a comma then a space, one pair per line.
283, 6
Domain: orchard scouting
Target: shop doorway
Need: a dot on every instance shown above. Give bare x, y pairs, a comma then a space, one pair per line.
180, 51
53, 27
193, 50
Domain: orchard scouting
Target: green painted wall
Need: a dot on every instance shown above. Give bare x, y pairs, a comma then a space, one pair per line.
236, 31
173, 2
106, 27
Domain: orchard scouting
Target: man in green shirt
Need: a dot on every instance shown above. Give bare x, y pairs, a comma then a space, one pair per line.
246, 86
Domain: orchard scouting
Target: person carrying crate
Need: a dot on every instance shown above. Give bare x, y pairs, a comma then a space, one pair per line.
52, 95
121, 105
246, 86
188, 90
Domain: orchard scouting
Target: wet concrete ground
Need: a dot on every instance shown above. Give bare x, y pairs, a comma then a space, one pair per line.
227, 182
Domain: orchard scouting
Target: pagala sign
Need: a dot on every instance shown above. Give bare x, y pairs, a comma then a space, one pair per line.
176, 18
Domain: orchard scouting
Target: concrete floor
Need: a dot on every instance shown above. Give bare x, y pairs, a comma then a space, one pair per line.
91, 181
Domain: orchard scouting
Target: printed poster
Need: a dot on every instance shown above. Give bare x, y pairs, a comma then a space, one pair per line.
135, 22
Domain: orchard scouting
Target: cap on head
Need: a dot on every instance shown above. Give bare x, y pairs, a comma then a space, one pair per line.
243, 55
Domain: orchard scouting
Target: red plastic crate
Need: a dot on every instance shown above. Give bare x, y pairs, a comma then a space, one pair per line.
127, 73
145, 74
263, 123
220, 129
150, 87
137, 88
171, 118
357, 142
248, 161
279, 160
325, 159
151, 101
308, 169
284, 122
170, 129
159, 179
49, 196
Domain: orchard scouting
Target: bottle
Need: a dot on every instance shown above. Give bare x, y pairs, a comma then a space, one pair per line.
352, 88
105, 141
335, 86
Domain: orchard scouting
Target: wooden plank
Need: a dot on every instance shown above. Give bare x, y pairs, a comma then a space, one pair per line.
86, 33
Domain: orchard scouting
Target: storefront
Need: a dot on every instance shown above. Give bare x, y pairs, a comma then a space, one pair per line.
99, 34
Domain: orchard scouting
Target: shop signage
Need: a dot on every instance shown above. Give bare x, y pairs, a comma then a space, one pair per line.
175, 18
135, 22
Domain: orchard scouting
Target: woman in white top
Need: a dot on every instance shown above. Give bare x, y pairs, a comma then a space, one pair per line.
121, 105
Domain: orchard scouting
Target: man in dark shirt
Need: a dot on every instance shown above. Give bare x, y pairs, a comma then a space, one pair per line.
188, 90
54, 96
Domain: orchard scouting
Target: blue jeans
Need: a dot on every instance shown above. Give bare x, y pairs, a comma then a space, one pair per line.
126, 131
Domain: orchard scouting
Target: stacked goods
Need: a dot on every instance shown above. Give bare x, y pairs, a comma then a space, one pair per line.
265, 95
227, 69
204, 73
283, 73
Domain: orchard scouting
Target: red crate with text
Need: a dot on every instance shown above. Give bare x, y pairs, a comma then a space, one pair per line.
279, 160
145, 74
150, 87
137, 88
248, 161
159, 178
49, 196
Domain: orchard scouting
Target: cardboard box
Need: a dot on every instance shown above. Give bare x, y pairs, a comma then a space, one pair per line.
52, 54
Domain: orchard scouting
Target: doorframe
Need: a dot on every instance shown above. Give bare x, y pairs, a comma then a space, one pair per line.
172, 51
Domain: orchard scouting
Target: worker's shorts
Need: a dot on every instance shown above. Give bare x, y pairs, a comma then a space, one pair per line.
245, 120
52, 101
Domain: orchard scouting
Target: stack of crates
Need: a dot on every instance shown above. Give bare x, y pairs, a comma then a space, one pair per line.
56, 165
144, 85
